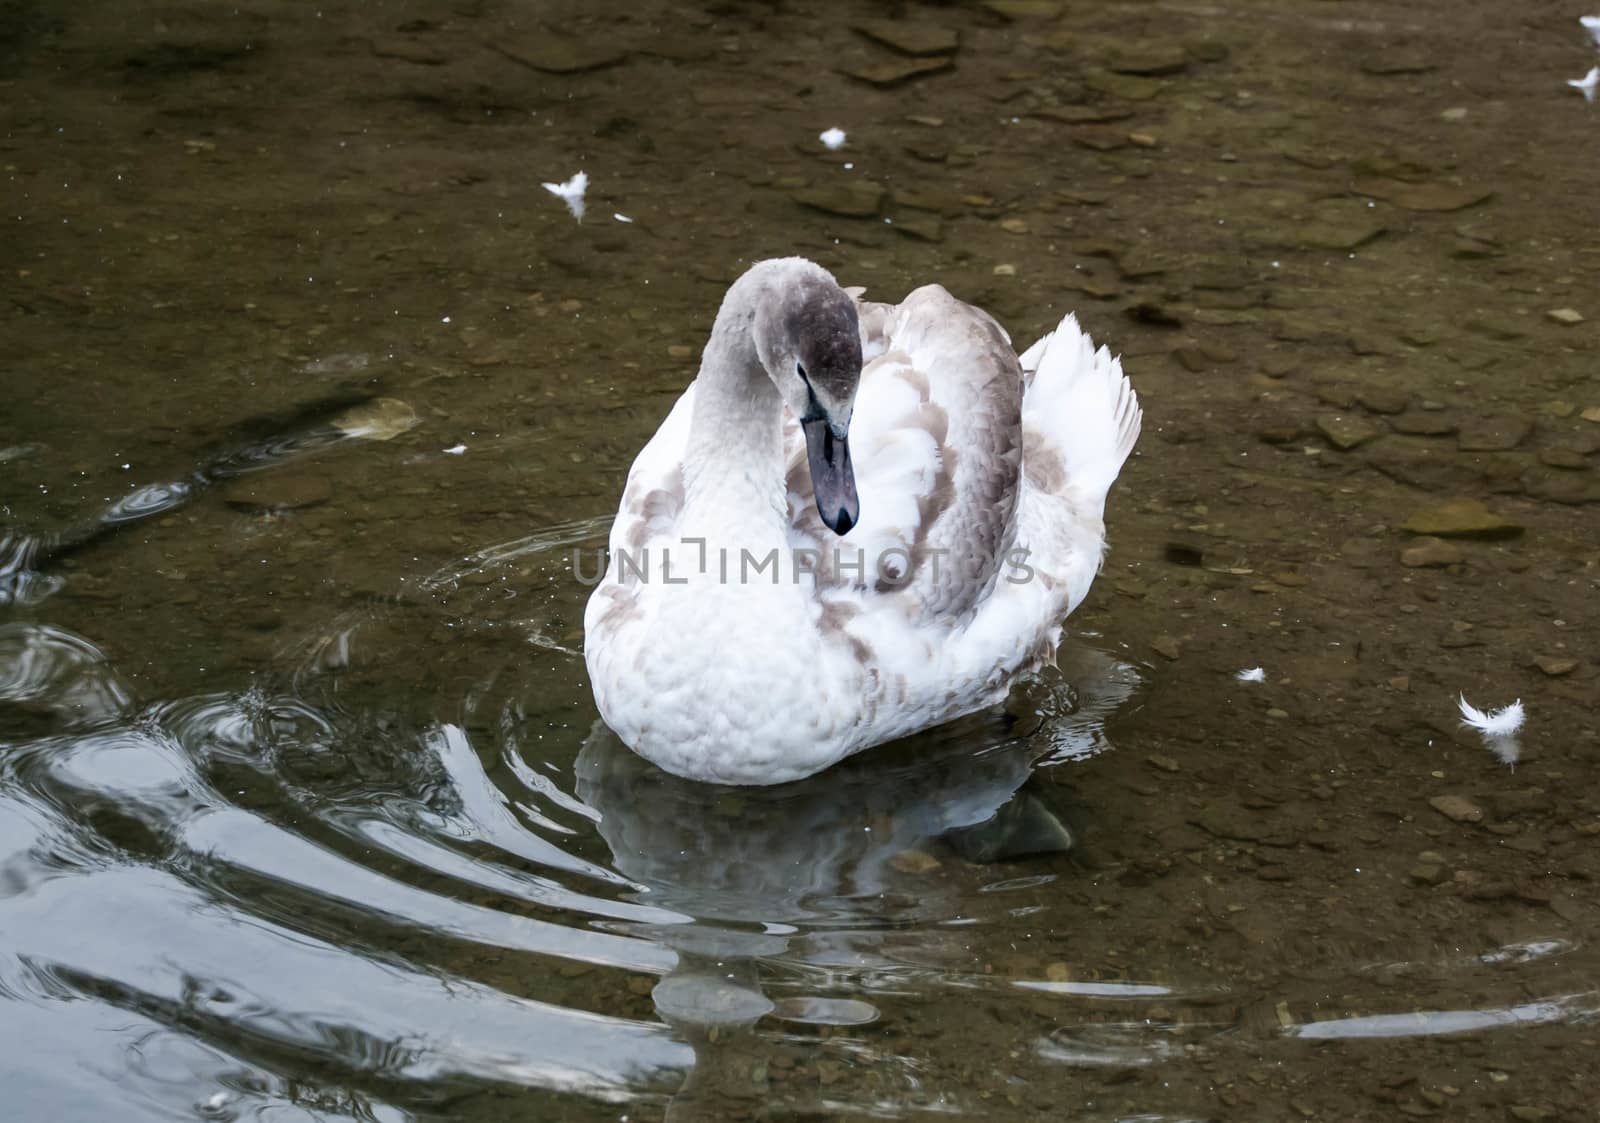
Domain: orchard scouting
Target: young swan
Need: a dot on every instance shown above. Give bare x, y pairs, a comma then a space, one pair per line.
811, 558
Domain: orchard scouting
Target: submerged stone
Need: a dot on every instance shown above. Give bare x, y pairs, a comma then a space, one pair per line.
1555, 666
1562, 487
1082, 115
924, 228
1461, 518
1438, 197
1493, 434
1149, 60
1427, 873
1100, 139
896, 71
1383, 399
381, 419
1430, 553
1457, 808
946, 203
1560, 456
1339, 225
1132, 87
1424, 423
914, 862
561, 54
1344, 432
858, 198
909, 37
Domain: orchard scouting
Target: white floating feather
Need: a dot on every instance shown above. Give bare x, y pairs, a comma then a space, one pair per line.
1588, 84
833, 138
1254, 674
1495, 723
571, 193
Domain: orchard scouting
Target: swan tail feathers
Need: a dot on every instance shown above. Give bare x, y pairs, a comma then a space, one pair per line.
1082, 407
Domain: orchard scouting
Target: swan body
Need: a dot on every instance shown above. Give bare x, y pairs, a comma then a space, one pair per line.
859, 521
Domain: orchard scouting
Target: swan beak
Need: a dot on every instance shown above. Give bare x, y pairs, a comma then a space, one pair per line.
833, 480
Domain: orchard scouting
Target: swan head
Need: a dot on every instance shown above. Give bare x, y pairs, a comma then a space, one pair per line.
809, 341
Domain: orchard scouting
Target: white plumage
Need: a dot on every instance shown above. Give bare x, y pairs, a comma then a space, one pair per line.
982, 481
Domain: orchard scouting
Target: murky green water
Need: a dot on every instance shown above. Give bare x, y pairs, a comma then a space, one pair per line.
304, 812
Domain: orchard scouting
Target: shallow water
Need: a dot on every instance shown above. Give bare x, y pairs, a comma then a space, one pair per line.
310, 393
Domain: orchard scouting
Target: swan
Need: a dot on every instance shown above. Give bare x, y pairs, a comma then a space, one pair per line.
860, 520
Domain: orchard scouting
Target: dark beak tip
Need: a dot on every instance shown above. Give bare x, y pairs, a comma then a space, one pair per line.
832, 476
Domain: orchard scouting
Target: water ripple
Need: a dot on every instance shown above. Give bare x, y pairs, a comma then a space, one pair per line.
435, 897
52, 670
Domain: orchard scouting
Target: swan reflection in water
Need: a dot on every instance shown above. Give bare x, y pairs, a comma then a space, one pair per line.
815, 849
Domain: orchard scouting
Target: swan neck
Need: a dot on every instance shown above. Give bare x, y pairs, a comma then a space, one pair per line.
735, 449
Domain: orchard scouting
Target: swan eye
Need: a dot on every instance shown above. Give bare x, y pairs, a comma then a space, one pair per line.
800, 369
